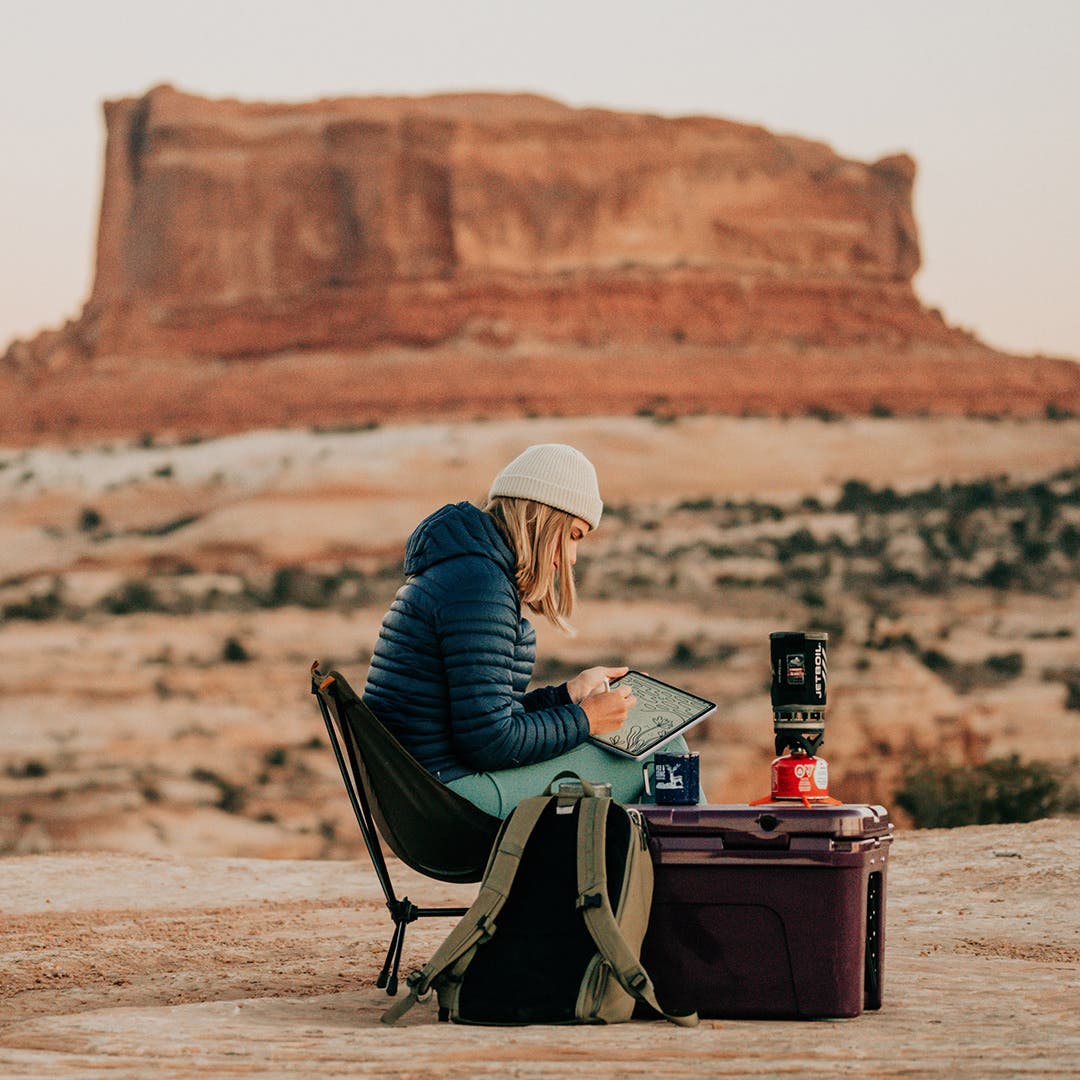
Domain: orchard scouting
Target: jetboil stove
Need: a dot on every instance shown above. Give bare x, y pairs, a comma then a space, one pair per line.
800, 672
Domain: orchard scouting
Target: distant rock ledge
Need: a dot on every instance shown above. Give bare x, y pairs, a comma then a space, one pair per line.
691, 263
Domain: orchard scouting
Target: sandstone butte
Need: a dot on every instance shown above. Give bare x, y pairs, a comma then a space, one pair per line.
470, 255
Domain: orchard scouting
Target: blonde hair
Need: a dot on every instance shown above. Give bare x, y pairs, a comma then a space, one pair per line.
538, 536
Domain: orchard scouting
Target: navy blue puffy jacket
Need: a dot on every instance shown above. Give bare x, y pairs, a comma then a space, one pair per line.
454, 657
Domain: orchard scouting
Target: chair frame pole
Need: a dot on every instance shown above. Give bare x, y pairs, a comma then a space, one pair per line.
402, 911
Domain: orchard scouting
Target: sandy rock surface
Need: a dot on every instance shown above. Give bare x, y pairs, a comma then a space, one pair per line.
129, 966
125, 729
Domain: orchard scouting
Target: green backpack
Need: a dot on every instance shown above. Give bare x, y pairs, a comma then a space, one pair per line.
555, 934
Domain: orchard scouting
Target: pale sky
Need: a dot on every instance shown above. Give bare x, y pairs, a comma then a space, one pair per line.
984, 94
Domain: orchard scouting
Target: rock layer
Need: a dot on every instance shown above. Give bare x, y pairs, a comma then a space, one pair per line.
230, 228
514, 225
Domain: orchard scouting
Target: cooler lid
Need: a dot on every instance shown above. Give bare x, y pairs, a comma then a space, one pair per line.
770, 820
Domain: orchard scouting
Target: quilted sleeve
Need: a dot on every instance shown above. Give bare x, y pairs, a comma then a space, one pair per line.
544, 697
491, 728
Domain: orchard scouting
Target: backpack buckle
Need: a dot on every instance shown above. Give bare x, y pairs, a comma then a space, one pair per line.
413, 981
589, 900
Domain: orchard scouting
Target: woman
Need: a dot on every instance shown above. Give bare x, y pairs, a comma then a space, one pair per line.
454, 656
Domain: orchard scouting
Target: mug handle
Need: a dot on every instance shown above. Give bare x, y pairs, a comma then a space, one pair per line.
645, 775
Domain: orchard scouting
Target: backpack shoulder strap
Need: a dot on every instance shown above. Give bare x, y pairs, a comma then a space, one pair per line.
596, 909
477, 925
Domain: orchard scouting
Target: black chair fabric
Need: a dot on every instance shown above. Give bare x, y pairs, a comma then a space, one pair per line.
425, 824
429, 827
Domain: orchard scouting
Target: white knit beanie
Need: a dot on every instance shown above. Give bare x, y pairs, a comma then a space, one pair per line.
555, 475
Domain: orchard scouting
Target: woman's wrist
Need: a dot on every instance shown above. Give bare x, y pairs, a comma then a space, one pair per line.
572, 690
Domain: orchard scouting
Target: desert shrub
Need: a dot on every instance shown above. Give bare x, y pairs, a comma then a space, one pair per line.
1003, 790
1001, 575
960, 537
765, 512
800, 542
976, 495
858, 497
1007, 665
90, 519
832, 623
549, 669
889, 575
936, 661
346, 427
234, 652
293, 585
39, 607
29, 770
231, 797
1072, 694
688, 654
167, 527
1069, 541
129, 598
885, 642
824, 414
964, 677
683, 654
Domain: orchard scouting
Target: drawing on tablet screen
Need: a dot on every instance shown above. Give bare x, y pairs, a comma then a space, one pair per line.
659, 709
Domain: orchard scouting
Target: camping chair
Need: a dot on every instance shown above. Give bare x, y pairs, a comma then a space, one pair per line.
425, 824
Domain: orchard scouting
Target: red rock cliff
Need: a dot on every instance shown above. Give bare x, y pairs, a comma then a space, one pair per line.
463, 221
233, 228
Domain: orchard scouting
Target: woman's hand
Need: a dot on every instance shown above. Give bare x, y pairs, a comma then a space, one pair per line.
607, 709
591, 681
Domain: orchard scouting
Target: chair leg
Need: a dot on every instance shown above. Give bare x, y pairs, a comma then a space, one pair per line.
403, 912
392, 982
390, 963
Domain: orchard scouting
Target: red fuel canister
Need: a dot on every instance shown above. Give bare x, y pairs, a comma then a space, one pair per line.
798, 776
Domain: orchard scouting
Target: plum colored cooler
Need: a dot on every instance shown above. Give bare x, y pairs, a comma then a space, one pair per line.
768, 911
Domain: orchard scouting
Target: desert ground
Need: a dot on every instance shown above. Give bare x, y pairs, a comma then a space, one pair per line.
183, 890
128, 966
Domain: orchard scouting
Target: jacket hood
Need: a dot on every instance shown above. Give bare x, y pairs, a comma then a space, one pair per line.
457, 529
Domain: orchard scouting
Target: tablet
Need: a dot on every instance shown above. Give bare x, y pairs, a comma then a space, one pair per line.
662, 712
